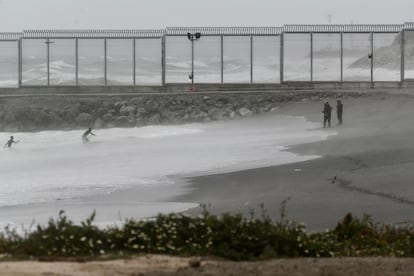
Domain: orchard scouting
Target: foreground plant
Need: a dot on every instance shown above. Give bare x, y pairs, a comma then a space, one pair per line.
231, 236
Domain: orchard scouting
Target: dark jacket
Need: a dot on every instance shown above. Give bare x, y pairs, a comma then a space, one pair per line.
339, 108
327, 109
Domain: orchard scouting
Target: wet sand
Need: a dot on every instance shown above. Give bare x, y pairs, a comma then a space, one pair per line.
367, 168
372, 158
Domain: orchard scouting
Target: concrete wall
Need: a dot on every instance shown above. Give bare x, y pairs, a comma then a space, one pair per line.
186, 88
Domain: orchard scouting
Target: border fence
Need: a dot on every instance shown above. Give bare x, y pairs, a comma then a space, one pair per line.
352, 53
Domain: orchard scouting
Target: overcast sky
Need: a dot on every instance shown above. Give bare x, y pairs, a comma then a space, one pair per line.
16, 15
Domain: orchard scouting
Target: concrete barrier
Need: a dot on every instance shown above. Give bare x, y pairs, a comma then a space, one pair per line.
186, 88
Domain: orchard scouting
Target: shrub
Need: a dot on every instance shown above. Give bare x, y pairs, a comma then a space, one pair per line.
230, 236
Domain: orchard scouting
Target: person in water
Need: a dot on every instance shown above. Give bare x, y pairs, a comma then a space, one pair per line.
10, 143
85, 135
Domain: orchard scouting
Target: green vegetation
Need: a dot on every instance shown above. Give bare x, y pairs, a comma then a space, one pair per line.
229, 236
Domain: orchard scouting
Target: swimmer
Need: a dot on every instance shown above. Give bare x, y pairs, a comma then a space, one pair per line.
85, 135
10, 143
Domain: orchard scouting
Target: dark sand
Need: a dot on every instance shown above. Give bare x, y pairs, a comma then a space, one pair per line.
372, 158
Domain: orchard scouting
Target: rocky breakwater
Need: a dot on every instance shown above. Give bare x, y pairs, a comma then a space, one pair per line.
71, 112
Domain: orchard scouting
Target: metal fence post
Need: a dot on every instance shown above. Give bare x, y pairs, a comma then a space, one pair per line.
251, 59
342, 57
48, 60
105, 63
77, 61
163, 59
222, 58
311, 57
402, 38
20, 62
372, 60
134, 60
281, 61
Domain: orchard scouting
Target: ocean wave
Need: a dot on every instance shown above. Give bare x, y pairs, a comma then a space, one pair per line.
51, 165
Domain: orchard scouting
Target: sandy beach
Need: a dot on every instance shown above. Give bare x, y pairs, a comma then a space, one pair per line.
371, 159
367, 168
137, 172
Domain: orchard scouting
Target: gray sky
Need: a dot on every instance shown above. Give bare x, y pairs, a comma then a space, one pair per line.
16, 15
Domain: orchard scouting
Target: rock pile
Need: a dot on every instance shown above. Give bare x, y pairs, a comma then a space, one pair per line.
64, 112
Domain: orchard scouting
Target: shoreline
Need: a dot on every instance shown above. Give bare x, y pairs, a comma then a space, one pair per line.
314, 200
319, 204
147, 200
370, 151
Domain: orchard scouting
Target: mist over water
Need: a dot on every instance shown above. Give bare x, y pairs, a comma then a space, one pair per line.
54, 165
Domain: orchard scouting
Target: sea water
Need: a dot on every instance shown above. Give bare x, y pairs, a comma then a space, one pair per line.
56, 167
148, 69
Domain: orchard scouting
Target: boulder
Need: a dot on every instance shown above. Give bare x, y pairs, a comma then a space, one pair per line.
112, 111
198, 116
87, 107
135, 101
263, 109
69, 112
108, 117
166, 113
140, 113
122, 120
154, 119
218, 114
126, 110
245, 112
152, 106
101, 111
117, 106
84, 119
139, 123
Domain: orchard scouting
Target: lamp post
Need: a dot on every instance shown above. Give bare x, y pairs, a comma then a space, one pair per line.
48, 42
192, 38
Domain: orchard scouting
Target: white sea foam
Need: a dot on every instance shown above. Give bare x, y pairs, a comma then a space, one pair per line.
235, 70
9, 83
50, 165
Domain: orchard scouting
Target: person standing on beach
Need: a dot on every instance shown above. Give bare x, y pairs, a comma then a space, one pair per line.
85, 135
10, 143
327, 109
339, 108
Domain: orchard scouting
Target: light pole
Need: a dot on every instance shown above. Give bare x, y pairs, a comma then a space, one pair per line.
192, 37
48, 42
